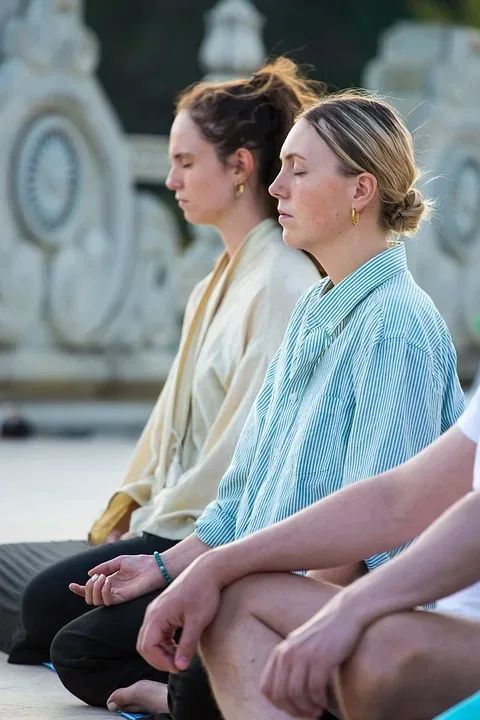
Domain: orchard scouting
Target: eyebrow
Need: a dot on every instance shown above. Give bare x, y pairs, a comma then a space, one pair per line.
180, 155
292, 156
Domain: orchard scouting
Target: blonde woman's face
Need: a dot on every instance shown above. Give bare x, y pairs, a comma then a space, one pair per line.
204, 187
314, 197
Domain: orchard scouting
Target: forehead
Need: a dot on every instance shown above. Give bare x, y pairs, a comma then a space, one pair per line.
184, 134
303, 140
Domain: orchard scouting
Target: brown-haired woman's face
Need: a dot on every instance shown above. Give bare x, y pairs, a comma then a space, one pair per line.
314, 197
204, 187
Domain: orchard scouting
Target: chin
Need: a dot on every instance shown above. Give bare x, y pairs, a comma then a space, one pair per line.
197, 218
292, 239
191, 217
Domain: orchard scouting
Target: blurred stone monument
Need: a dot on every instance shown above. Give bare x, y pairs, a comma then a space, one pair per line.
232, 47
92, 280
432, 74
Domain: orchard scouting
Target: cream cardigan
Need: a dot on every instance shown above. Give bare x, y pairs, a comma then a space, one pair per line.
234, 323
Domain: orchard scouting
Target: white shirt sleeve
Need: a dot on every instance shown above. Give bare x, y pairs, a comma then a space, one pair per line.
469, 423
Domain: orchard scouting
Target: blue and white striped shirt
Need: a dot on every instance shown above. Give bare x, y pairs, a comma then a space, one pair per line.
365, 379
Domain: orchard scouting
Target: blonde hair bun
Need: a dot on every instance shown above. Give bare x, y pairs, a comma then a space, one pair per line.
408, 213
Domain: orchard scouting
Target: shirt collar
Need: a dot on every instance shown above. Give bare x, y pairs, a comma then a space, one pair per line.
328, 309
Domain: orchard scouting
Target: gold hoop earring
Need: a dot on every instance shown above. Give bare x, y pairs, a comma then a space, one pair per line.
240, 189
355, 216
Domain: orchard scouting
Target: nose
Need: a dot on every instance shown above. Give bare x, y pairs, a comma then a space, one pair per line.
278, 187
173, 181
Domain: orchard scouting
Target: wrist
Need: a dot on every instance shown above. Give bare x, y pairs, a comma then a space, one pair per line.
158, 579
220, 567
364, 606
161, 566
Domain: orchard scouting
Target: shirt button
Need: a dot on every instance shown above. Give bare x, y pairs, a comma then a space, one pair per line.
293, 397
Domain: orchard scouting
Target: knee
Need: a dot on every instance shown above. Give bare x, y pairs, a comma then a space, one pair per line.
372, 682
44, 599
235, 605
62, 650
76, 666
38, 597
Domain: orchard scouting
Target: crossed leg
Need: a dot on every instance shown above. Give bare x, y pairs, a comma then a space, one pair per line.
255, 615
411, 666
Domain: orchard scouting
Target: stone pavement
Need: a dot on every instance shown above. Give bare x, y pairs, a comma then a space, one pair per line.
35, 693
52, 489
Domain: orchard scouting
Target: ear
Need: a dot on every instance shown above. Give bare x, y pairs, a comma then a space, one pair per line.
243, 164
365, 190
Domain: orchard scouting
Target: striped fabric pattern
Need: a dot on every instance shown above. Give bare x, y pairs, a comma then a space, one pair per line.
365, 379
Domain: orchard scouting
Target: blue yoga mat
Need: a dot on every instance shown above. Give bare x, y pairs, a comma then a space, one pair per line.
468, 709
126, 715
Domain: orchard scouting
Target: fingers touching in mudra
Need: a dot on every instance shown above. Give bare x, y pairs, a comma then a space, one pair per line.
96, 591
119, 580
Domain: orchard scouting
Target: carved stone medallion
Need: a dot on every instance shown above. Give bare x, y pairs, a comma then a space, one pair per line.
47, 179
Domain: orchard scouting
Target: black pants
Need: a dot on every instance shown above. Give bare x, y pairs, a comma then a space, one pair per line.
189, 695
48, 605
93, 650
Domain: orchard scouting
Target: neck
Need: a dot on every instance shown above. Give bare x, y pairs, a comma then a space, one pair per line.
350, 251
235, 227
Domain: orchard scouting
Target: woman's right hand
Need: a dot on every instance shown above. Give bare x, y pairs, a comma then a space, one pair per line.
119, 580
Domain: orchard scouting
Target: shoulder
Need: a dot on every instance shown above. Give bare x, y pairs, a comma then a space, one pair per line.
282, 263
278, 293
278, 276
283, 274
400, 310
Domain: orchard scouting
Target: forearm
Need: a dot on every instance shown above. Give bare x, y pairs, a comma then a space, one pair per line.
443, 561
343, 529
369, 517
180, 556
333, 532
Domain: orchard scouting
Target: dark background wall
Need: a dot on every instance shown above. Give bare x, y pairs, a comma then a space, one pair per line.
150, 47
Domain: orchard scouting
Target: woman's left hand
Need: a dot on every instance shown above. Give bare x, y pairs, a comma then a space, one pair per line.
297, 676
128, 535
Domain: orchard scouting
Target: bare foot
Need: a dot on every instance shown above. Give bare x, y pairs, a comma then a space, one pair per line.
143, 696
